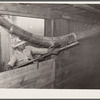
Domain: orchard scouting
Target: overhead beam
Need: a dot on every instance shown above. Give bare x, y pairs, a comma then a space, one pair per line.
75, 17
36, 11
87, 7
32, 10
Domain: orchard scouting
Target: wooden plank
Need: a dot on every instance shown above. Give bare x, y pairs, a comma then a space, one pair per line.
68, 71
25, 78
50, 62
21, 77
79, 58
84, 55
1, 61
48, 28
19, 71
73, 78
62, 74
27, 73
75, 17
38, 81
49, 86
61, 27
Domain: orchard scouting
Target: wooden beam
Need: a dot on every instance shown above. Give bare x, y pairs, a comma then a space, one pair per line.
48, 29
24, 10
36, 11
75, 17
87, 7
1, 62
64, 15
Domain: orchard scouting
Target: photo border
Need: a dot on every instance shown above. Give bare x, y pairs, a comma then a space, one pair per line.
49, 94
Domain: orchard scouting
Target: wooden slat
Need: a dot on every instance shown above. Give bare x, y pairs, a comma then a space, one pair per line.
27, 74
49, 86
19, 71
1, 61
62, 74
26, 79
73, 78
39, 84
61, 27
21, 77
69, 71
37, 81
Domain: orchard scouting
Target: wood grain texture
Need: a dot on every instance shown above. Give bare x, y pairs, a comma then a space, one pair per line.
77, 61
29, 76
76, 78
49, 86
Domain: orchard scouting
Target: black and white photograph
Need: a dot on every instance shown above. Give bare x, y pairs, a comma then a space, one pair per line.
49, 46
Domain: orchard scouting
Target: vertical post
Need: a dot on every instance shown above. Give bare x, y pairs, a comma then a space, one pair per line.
1, 63
49, 26
52, 34
52, 27
49, 32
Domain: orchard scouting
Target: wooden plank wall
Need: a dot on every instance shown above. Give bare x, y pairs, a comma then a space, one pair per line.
81, 65
37, 75
61, 27
75, 66
78, 66
48, 28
